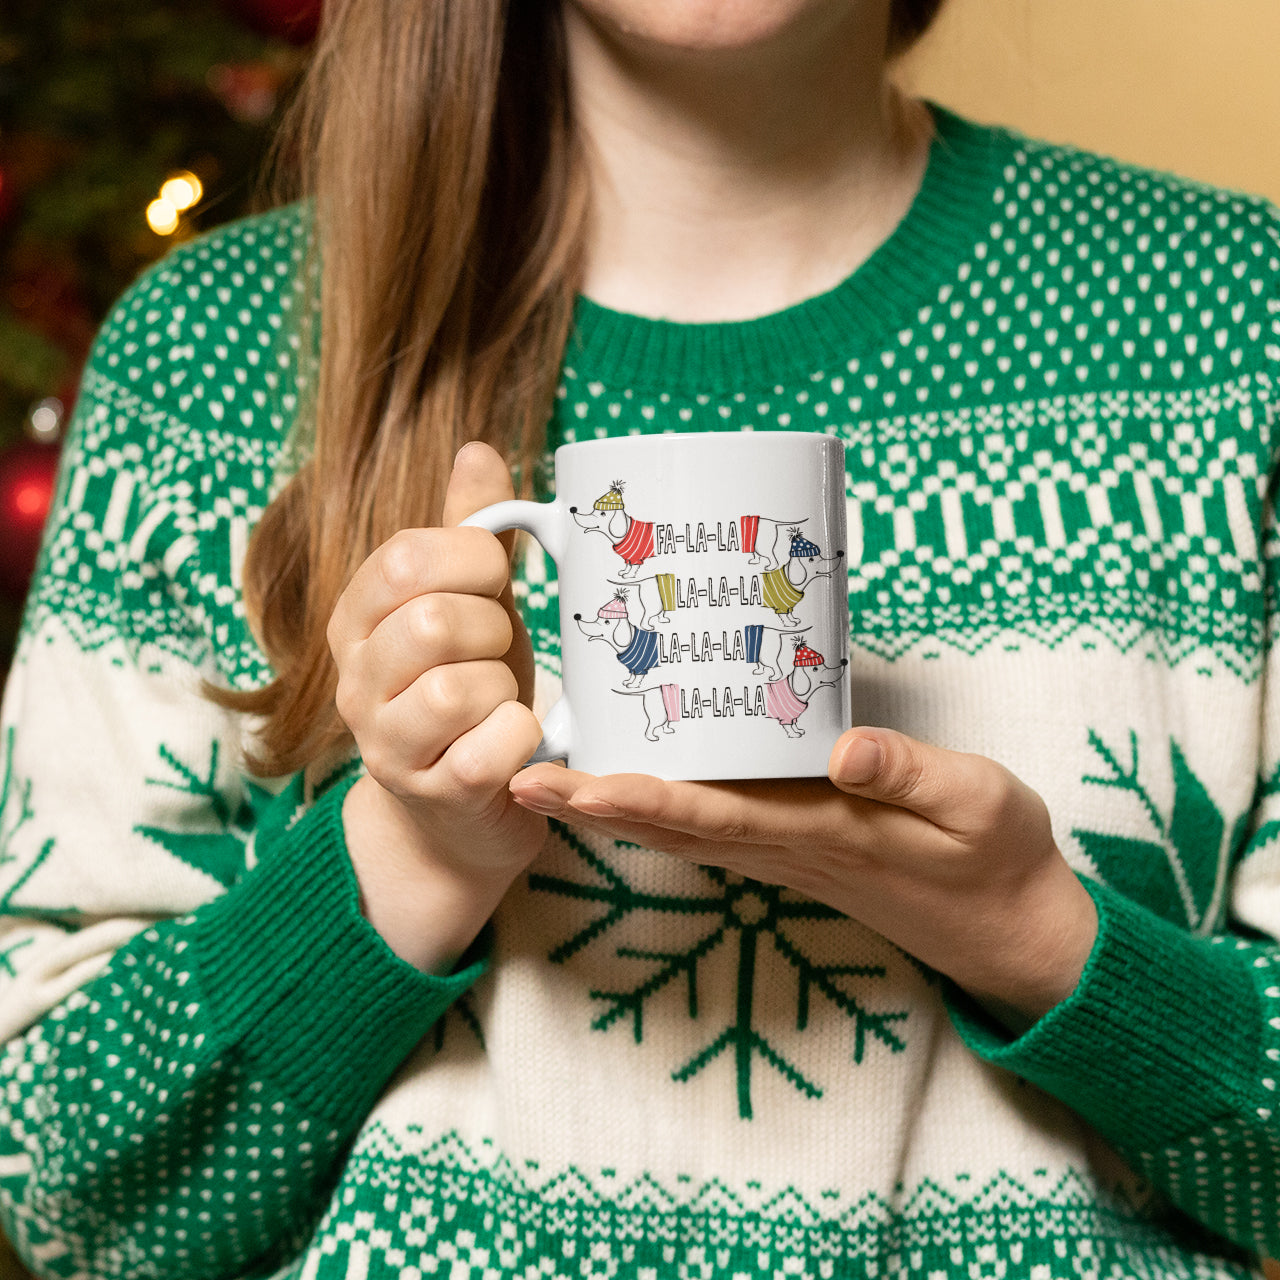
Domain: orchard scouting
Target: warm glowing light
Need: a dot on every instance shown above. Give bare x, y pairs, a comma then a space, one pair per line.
162, 217
182, 190
46, 419
31, 498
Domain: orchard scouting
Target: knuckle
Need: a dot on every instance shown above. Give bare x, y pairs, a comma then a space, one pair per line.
483, 762
507, 687
1002, 792
427, 620
345, 702
730, 830
1010, 802
488, 682
473, 769
908, 777
333, 631
488, 563
399, 563
499, 619
382, 754
445, 694
378, 763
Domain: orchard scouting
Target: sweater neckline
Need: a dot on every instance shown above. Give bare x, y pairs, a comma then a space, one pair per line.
951, 209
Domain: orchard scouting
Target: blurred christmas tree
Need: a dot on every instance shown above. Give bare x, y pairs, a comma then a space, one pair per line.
125, 125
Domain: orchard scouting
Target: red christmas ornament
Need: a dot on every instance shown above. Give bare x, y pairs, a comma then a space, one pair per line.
27, 473
294, 20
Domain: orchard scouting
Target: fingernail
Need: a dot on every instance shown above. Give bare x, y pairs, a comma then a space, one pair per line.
533, 795
861, 761
466, 448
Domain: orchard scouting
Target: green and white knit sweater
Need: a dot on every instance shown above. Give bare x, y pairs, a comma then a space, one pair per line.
1058, 382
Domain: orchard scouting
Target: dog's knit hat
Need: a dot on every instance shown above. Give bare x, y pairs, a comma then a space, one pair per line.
806, 657
803, 547
615, 608
610, 500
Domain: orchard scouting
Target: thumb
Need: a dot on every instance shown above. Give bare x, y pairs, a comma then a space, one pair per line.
881, 764
479, 478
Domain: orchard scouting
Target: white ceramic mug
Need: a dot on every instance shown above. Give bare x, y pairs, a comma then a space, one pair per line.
704, 613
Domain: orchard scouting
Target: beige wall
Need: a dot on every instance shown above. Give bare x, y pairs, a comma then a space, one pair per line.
1187, 85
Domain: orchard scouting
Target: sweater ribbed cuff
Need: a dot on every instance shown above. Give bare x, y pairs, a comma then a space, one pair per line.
302, 986
1159, 1039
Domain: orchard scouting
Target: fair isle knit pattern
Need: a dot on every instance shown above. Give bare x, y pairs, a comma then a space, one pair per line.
1058, 383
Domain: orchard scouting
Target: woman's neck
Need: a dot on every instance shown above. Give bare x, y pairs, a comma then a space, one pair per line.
730, 183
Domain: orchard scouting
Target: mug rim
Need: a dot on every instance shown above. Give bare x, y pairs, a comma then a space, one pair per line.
676, 438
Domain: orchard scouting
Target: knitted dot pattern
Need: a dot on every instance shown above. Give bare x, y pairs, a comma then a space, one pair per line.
1072, 433
134, 1144
153, 516
453, 1210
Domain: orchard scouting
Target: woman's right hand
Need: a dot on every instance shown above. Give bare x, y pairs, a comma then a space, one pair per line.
435, 676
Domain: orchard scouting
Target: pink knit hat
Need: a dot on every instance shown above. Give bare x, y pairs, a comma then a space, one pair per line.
615, 608
806, 657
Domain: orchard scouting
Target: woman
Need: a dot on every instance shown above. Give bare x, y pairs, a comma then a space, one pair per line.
1000, 997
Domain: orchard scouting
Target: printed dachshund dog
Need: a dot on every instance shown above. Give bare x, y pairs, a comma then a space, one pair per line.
763, 646
783, 588
636, 648
661, 703
632, 539
654, 596
759, 533
787, 700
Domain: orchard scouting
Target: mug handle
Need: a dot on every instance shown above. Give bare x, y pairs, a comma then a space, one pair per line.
545, 521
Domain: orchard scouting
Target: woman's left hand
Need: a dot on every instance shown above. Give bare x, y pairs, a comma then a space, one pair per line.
946, 854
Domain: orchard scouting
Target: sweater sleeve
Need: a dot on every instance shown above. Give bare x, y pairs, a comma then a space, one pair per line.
1170, 1048
1170, 1045
195, 1016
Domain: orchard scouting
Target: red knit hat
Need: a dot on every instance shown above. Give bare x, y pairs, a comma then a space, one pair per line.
806, 657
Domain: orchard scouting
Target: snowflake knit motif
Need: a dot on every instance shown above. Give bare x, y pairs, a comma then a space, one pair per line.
741, 913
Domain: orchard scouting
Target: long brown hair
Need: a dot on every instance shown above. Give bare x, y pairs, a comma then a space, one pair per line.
434, 142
